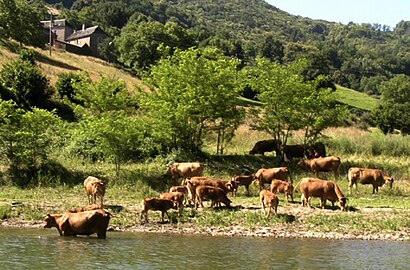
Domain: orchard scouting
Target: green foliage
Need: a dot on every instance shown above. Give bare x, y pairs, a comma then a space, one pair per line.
25, 82
27, 137
289, 103
65, 84
5, 211
20, 20
394, 110
193, 93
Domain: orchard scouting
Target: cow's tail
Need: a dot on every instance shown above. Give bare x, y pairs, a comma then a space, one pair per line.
295, 188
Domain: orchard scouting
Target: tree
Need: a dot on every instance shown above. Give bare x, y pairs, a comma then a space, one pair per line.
26, 138
24, 82
20, 20
394, 109
289, 103
193, 92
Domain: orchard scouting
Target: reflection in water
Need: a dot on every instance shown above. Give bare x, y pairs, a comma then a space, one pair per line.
44, 249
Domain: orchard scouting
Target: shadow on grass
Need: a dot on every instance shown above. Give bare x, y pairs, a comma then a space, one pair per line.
46, 60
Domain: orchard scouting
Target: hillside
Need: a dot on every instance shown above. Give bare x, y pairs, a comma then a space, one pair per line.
356, 99
62, 62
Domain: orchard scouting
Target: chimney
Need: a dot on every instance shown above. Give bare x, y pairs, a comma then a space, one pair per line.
83, 27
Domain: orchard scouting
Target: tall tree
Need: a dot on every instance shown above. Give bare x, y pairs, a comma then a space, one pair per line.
193, 92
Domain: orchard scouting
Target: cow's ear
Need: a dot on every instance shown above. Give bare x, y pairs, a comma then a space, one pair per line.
48, 215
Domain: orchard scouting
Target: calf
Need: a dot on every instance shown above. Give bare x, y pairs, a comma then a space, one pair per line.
94, 188
184, 190
265, 176
325, 190
243, 180
155, 204
374, 177
177, 197
81, 223
321, 164
282, 187
194, 182
214, 194
268, 200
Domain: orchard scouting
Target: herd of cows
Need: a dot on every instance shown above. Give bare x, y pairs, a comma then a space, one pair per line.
196, 188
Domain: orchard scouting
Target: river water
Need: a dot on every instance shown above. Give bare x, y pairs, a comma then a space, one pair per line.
45, 249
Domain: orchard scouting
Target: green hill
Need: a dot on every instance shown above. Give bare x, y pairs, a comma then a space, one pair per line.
356, 99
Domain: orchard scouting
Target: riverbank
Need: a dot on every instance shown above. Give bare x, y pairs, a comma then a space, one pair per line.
298, 225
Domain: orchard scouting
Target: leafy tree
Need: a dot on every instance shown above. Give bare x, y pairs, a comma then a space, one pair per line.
25, 82
289, 103
20, 20
193, 92
65, 85
394, 110
26, 137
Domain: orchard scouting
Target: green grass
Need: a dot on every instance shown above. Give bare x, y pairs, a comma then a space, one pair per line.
356, 99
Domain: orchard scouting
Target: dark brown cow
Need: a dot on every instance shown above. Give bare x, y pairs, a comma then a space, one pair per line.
185, 170
94, 188
265, 176
155, 204
214, 194
321, 164
374, 177
264, 146
81, 223
270, 201
231, 186
177, 197
282, 187
325, 190
316, 150
243, 180
294, 151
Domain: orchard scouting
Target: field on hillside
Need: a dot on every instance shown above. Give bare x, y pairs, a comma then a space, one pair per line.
62, 62
356, 99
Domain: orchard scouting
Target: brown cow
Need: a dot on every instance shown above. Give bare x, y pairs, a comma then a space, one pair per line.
231, 186
268, 200
214, 194
243, 180
81, 223
374, 177
325, 190
264, 146
282, 187
177, 197
265, 176
321, 164
183, 189
86, 208
155, 204
194, 182
185, 170
94, 188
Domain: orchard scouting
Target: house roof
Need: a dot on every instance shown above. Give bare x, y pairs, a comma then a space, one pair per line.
84, 33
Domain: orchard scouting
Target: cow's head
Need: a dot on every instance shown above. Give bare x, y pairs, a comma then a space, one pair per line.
343, 203
51, 221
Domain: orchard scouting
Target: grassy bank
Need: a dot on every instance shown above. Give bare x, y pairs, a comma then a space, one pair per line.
387, 212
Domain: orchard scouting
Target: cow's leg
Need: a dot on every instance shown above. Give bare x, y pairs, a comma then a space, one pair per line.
322, 203
248, 193
102, 234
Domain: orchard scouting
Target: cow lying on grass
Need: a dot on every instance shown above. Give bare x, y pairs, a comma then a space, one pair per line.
81, 223
155, 204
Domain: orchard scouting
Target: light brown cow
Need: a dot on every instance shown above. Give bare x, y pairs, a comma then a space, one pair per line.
321, 164
156, 204
325, 190
374, 177
81, 223
86, 208
177, 197
243, 180
282, 187
94, 188
183, 189
268, 200
265, 176
185, 170
214, 194
194, 182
